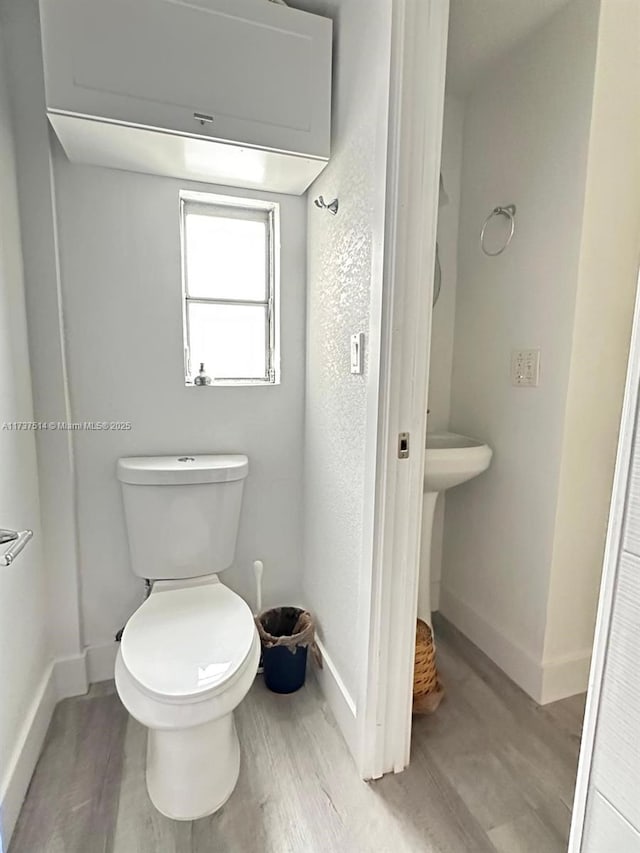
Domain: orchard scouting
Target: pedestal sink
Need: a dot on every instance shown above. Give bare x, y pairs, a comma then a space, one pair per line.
450, 460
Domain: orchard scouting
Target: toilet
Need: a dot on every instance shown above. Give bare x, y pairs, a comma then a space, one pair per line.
190, 652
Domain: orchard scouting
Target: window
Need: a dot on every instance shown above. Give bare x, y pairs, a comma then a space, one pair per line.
229, 271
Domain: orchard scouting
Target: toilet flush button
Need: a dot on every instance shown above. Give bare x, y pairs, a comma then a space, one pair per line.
186, 458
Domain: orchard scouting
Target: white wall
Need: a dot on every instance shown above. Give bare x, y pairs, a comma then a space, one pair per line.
46, 338
24, 642
344, 296
442, 330
120, 261
609, 255
442, 327
526, 138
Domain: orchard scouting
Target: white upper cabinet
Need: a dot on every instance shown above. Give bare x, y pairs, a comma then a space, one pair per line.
228, 91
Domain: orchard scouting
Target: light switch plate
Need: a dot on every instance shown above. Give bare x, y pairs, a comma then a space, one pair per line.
525, 368
357, 352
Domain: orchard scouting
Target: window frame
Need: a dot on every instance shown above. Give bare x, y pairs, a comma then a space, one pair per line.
253, 210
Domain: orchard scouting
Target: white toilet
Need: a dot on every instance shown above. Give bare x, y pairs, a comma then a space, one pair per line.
190, 653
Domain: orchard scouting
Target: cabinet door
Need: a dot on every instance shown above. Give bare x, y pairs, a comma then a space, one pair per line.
615, 769
606, 830
258, 72
606, 815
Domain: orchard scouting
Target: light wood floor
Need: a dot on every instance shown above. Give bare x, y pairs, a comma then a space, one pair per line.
490, 771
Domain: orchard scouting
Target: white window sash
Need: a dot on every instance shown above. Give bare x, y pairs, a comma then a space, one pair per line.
254, 211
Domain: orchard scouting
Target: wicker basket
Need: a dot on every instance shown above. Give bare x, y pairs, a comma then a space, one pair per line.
427, 689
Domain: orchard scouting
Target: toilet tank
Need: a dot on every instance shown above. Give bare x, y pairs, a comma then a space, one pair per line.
182, 513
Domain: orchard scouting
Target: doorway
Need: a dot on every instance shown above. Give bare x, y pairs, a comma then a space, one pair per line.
520, 548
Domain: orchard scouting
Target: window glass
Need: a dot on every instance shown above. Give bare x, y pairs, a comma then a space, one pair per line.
229, 286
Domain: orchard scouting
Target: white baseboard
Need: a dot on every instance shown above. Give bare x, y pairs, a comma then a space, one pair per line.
101, 662
17, 775
518, 664
70, 676
545, 681
435, 595
74, 674
338, 699
565, 676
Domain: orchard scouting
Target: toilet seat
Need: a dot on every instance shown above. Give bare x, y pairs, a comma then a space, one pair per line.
187, 644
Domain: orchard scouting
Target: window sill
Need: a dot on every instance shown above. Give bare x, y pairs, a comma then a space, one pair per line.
235, 383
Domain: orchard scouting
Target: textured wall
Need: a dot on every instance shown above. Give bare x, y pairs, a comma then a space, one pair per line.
343, 298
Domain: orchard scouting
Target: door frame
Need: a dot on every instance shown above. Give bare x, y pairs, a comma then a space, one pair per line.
418, 65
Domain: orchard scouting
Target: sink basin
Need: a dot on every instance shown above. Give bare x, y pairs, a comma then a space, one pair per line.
452, 459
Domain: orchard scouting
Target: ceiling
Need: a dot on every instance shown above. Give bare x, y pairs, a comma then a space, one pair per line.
328, 8
480, 31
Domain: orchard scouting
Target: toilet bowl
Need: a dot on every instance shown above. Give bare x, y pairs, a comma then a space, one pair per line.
190, 652
187, 659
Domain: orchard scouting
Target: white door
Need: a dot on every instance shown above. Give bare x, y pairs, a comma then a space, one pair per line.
607, 805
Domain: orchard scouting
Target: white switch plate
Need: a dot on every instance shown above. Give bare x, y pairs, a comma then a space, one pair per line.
357, 353
525, 368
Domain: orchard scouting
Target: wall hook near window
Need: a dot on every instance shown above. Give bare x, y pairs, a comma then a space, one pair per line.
16, 540
332, 206
509, 211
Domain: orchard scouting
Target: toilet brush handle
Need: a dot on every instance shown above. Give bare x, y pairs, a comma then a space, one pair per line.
258, 569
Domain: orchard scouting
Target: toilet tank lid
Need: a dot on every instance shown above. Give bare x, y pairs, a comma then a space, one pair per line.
182, 470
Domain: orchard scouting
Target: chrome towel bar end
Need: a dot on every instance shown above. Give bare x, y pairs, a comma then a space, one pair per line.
17, 544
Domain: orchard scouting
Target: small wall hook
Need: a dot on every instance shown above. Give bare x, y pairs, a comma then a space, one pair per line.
332, 207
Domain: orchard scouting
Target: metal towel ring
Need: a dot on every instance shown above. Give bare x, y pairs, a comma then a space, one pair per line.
510, 212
